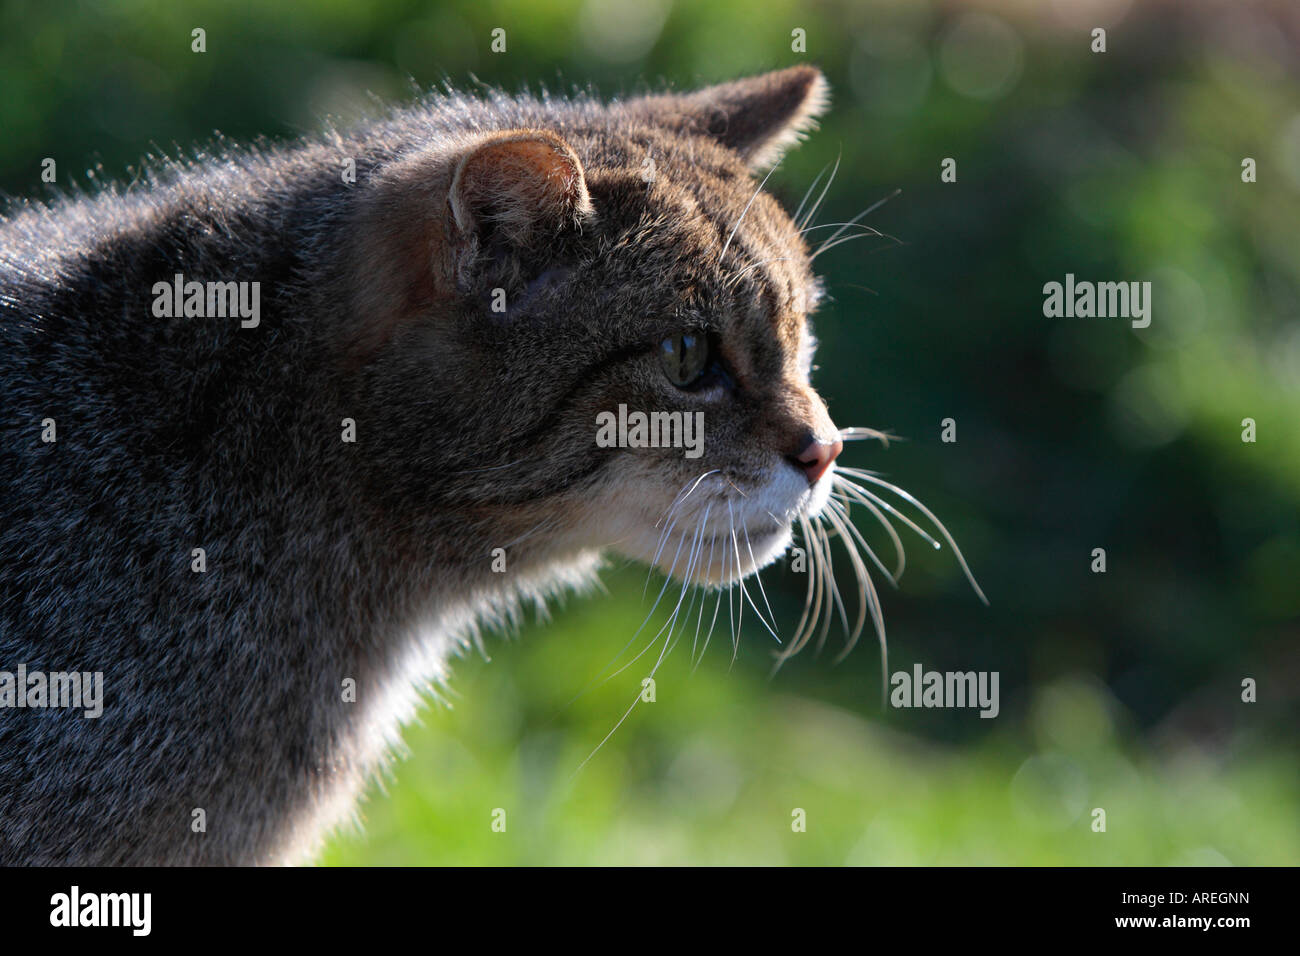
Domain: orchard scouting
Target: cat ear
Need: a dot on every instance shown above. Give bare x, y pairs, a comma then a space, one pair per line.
429, 224
521, 184
759, 117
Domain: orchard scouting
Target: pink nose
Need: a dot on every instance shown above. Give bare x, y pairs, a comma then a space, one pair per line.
816, 458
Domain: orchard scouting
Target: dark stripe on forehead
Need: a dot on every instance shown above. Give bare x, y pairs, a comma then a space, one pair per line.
769, 263
759, 243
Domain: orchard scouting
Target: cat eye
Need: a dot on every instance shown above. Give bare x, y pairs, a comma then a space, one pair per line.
684, 357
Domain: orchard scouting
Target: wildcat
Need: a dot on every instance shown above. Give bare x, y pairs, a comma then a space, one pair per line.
267, 520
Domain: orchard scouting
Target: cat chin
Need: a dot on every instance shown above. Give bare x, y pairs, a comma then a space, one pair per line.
762, 542
712, 560
715, 557
763, 519
766, 547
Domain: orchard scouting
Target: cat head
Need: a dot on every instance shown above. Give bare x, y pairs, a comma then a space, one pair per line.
552, 290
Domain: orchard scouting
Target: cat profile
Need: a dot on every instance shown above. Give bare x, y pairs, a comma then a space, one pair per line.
266, 532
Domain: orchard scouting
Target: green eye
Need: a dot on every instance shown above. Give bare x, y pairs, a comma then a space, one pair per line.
684, 357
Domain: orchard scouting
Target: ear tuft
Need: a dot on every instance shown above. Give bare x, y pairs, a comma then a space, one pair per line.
521, 183
760, 117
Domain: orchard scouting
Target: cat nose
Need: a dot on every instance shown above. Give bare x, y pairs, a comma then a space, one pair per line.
816, 457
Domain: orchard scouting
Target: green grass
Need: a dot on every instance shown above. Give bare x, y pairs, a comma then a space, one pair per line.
712, 771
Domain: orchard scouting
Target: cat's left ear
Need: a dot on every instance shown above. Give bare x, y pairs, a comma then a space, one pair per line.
424, 227
760, 117
525, 184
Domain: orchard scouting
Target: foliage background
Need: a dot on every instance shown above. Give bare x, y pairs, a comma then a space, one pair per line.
1119, 690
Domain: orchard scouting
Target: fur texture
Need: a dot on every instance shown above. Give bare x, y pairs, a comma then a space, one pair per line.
370, 560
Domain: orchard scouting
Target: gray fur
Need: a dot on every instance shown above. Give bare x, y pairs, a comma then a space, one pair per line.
325, 560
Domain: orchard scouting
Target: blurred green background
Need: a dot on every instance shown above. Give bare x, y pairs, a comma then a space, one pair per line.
1119, 690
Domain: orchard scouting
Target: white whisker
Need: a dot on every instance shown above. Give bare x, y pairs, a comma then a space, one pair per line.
856, 220
722, 255
840, 494
808, 192
828, 245
713, 540
812, 212
867, 596
743, 591
736, 619
837, 604
799, 636
605, 739
736, 277
716, 608
840, 506
863, 434
761, 590
864, 497
912, 500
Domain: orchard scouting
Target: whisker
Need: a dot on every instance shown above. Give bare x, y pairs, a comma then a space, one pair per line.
862, 434
812, 212
603, 676
672, 617
476, 471
817, 580
735, 278
831, 225
737, 618
667, 580
832, 587
743, 591
691, 571
654, 562
828, 245
697, 546
672, 509
695, 484
808, 192
842, 508
912, 500
836, 516
814, 582
866, 596
900, 553
716, 608
597, 680
713, 540
856, 220
865, 497
722, 255
838, 235
795, 641
761, 590
605, 739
